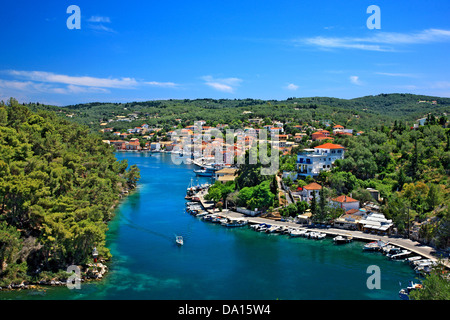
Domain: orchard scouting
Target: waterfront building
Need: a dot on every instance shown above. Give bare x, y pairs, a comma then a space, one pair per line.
376, 222
310, 162
350, 220
345, 202
133, 145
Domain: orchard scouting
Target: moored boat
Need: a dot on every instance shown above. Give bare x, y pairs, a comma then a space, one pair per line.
375, 246
204, 173
342, 239
320, 236
404, 293
297, 233
235, 223
400, 255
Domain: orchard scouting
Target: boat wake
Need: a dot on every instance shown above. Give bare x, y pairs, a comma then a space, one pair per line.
131, 224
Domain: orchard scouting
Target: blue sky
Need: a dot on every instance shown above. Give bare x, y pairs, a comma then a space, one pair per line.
144, 50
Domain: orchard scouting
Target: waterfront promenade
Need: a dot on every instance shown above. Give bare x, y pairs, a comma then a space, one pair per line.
413, 246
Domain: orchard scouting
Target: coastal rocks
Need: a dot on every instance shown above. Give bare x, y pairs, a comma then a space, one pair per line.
94, 271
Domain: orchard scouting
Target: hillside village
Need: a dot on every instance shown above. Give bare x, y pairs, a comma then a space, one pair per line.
313, 147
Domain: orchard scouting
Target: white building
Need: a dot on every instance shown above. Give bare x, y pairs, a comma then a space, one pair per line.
376, 223
345, 202
307, 192
310, 162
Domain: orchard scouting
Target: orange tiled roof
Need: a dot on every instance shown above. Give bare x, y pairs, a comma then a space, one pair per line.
330, 146
313, 186
344, 198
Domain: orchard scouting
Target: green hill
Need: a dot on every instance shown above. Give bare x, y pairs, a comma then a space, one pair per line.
58, 186
361, 113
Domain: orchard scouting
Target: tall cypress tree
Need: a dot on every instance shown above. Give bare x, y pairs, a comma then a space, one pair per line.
313, 205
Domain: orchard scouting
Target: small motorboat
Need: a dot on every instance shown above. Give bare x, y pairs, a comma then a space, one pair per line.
342, 239
404, 293
179, 240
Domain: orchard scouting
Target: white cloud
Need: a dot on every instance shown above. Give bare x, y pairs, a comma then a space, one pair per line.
101, 27
224, 84
161, 84
355, 80
99, 19
86, 81
344, 43
97, 23
30, 86
48, 82
292, 87
390, 74
381, 41
441, 85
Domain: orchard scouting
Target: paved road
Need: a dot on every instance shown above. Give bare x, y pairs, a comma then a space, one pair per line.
280, 188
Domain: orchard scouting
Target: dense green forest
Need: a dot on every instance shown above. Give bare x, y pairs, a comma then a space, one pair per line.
410, 169
59, 182
360, 113
58, 187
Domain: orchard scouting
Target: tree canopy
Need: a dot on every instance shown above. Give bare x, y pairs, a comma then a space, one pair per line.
58, 185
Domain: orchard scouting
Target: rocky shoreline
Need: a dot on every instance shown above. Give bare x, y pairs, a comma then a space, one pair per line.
90, 272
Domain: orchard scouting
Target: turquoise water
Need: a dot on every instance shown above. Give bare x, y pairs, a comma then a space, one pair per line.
216, 262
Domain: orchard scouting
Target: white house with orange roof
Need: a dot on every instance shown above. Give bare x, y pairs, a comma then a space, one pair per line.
337, 129
306, 194
310, 162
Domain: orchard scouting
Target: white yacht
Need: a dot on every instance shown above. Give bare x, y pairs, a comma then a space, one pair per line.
342, 239
179, 240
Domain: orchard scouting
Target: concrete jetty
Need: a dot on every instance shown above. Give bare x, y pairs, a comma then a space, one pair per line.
407, 244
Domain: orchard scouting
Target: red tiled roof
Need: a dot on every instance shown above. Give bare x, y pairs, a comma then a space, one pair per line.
338, 126
313, 186
324, 138
344, 133
344, 198
330, 146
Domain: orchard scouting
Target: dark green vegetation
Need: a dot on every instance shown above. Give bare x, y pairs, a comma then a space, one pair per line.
436, 286
410, 169
58, 183
58, 186
359, 114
